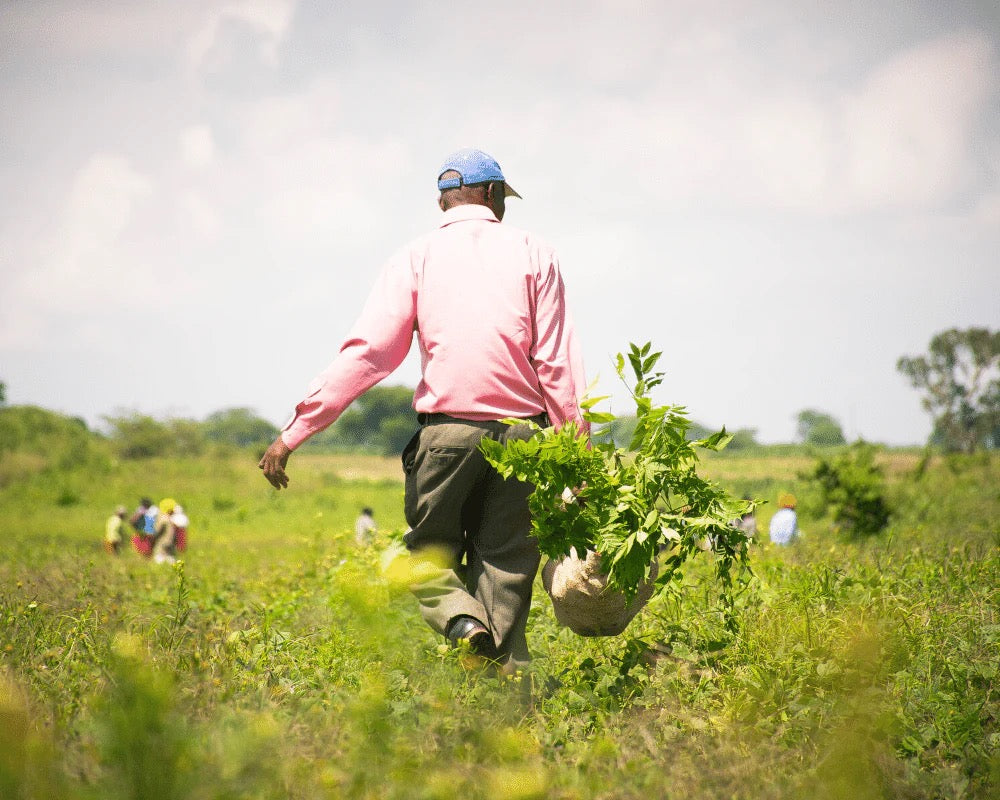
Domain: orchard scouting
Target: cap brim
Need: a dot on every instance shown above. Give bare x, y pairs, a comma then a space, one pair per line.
508, 191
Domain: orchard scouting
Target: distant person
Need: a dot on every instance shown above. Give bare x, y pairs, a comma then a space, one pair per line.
136, 520
747, 523
164, 533
141, 541
180, 520
785, 524
149, 528
486, 303
364, 527
114, 531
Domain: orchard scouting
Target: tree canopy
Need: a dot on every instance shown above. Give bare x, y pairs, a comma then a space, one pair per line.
819, 428
240, 427
960, 381
381, 420
136, 435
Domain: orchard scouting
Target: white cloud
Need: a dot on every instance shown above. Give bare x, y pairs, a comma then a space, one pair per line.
307, 167
789, 158
268, 18
52, 26
197, 146
100, 205
81, 267
987, 211
714, 130
907, 129
200, 215
987, 207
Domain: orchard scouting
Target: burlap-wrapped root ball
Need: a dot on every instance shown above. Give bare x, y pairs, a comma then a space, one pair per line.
581, 599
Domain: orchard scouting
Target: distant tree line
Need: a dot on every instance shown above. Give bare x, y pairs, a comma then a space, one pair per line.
136, 435
381, 421
621, 429
959, 378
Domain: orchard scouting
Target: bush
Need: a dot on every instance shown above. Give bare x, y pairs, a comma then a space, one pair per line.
239, 427
852, 489
46, 440
138, 436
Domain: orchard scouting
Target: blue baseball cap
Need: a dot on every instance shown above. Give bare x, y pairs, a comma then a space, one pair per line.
474, 166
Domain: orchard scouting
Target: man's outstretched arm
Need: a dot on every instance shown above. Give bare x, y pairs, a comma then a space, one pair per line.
377, 344
273, 463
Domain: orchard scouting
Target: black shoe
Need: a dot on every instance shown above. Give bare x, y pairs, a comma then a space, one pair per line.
476, 636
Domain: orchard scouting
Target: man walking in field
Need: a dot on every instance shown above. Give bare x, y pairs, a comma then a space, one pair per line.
486, 302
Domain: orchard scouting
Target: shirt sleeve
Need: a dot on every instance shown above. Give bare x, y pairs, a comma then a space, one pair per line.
376, 345
556, 355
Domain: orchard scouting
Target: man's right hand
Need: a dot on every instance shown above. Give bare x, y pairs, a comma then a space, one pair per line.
273, 463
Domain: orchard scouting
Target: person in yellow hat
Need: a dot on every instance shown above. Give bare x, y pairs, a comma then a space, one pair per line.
784, 527
164, 533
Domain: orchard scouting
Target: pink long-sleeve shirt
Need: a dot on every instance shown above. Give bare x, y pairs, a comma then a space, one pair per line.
487, 304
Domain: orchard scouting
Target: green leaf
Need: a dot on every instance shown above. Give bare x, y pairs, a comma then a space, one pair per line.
652, 520
589, 402
717, 441
599, 417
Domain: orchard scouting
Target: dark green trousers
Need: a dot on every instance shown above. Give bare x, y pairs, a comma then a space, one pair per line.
458, 505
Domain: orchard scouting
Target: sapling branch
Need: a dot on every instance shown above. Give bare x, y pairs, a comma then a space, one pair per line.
632, 506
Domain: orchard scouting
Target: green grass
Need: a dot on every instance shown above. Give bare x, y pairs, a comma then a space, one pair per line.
277, 662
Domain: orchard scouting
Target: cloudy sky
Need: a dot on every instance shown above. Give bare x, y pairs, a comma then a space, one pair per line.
783, 196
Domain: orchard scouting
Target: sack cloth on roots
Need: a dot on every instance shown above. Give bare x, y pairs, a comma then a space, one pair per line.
581, 599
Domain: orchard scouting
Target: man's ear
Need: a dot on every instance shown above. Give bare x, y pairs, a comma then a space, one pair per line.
441, 201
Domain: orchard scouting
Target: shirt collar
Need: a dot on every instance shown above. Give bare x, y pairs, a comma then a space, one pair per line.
467, 211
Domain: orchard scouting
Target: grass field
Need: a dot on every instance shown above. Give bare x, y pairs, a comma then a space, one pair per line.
277, 661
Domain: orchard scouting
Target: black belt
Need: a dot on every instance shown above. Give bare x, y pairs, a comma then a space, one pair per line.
542, 420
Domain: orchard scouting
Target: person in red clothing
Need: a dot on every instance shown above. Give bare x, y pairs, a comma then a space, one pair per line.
486, 303
180, 520
142, 543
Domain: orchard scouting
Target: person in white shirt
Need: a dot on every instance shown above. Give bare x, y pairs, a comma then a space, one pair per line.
364, 527
784, 527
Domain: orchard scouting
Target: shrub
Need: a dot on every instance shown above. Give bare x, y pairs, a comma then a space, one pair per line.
137, 436
48, 440
239, 427
852, 489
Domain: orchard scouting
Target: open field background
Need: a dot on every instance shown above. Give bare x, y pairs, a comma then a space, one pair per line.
278, 662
